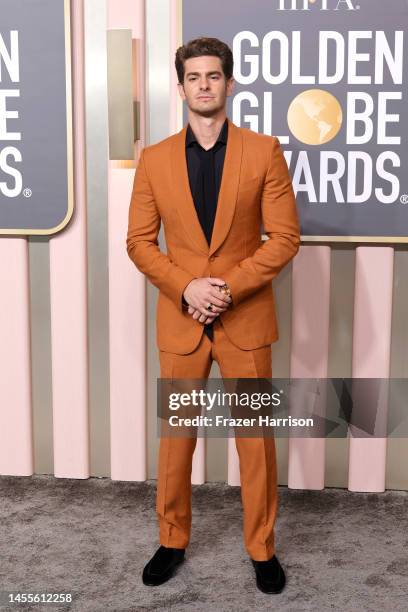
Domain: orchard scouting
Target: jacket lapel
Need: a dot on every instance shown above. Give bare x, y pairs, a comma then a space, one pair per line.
227, 196
184, 200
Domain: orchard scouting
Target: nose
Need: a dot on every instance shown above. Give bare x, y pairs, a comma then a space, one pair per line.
204, 83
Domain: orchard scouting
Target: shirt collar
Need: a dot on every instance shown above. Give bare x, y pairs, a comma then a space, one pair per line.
222, 136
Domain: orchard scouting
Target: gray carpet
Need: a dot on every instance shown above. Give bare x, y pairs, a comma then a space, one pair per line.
341, 551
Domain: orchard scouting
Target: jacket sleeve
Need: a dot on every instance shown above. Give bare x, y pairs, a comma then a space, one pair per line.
142, 244
281, 225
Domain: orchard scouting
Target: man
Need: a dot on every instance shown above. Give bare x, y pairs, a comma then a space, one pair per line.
213, 185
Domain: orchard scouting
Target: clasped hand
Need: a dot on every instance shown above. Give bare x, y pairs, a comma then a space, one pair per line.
201, 292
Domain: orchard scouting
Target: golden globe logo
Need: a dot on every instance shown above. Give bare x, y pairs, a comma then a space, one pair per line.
315, 117
325, 5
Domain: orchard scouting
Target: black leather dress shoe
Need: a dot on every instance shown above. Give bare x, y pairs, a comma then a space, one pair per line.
162, 565
270, 577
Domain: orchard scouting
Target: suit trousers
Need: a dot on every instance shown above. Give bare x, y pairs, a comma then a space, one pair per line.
257, 455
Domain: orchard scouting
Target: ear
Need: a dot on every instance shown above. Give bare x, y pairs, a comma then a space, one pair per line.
230, 86
180, 88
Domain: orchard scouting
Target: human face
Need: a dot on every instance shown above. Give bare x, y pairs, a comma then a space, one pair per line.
205, 87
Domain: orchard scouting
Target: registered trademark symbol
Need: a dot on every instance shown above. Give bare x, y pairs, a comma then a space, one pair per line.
27, 193
404, 199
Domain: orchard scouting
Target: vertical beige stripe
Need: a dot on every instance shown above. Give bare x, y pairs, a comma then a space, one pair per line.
340, 349
41, 354
97, 232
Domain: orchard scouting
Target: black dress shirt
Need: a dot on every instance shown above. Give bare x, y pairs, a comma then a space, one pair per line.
204, 175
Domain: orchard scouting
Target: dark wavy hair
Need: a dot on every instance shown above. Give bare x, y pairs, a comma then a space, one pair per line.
204, 46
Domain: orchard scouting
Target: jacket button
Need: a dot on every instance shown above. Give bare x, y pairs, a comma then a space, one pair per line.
212, 257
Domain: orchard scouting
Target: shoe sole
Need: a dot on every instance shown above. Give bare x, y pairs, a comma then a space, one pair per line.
164, 579
270, 592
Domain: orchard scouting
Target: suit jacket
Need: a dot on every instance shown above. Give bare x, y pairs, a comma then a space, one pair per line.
256, 190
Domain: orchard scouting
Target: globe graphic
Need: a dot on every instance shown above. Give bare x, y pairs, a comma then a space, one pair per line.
315, 117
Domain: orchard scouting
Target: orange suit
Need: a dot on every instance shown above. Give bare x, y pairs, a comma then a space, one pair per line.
256, 190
